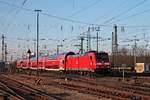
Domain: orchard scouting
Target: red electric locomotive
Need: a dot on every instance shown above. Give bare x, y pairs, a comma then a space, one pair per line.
84, 62
102, 61
91, 61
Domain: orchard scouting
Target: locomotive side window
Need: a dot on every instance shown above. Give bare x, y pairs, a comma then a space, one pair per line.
63, 61
90, 57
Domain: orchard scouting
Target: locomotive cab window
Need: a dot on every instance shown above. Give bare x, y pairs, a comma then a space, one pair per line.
102, 57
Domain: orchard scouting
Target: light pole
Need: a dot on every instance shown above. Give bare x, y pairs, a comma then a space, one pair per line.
97, 29
135, 47
29, 52
58, 48
82, 39
37, 11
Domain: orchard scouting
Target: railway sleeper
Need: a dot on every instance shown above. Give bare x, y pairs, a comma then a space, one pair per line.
138, 88
102, 90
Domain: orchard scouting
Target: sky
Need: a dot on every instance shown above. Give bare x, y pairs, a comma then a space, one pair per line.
63, 22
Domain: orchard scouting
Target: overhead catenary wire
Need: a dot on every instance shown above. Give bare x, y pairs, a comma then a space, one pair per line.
4, 17
71, 20
133, 15
23, 3
53, 16
50, 15
111, 11
85, 8
67, 19
9, 4
124, 12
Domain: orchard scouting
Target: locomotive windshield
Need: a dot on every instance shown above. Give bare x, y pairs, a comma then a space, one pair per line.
102, 57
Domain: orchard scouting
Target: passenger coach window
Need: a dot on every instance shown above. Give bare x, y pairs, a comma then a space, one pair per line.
90, 57
63, 62
40, 62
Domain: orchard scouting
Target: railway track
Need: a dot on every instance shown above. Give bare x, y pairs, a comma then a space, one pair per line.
106, 92
138, 90
97, 88
142, 92
86, 90
23, 91
92, 91
6, 90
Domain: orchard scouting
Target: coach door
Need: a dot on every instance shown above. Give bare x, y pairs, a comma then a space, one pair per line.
61, 64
